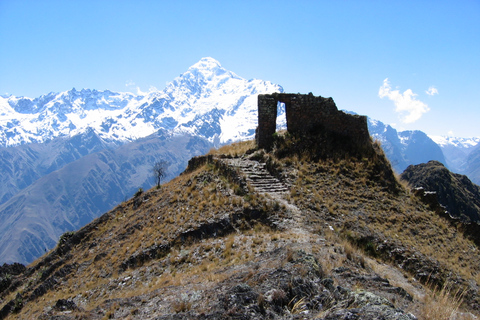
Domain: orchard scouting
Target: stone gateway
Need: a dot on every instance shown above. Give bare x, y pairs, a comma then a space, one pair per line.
307, 114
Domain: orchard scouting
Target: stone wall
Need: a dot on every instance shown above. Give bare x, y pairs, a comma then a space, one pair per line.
267, 120
307, 114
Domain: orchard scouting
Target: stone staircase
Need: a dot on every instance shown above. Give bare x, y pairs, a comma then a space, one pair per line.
258, 176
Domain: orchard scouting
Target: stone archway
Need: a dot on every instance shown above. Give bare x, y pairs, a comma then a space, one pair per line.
306, 113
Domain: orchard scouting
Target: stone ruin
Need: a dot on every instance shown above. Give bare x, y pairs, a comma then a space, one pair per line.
308, 114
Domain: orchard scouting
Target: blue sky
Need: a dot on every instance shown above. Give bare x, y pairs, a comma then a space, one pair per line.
428, 50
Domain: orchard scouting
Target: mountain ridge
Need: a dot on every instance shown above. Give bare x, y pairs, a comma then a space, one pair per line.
209, 244
405, 147
125, 117
455, 192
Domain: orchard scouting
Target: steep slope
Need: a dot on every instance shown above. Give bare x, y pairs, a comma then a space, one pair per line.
68, 198
211, 245
455, 192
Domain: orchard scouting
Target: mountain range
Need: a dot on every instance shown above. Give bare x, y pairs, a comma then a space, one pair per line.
68, 157
206, 100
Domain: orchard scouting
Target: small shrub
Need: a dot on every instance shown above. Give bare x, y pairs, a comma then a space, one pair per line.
139, 192
370, 248
298, 306
238, 190
18, 303
348, 250
65, 237
289, 255
261, 302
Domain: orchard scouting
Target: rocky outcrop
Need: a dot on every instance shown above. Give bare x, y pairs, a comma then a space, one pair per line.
459, 196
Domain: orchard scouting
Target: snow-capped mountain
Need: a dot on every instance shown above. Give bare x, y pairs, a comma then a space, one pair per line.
207, 100
463, 143
457, 152
406, 147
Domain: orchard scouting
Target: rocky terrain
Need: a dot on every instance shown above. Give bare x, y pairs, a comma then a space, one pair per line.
459, 196
246, 234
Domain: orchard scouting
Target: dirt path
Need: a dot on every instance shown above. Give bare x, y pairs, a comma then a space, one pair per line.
264, 183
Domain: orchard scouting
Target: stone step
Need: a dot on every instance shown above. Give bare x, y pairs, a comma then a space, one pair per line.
264, 181
258, 176
272, 189
269, 185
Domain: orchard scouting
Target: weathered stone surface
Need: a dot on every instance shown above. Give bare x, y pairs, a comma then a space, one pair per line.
306, 114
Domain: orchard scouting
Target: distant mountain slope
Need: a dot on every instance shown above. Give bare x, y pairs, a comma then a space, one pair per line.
456, 151
473, 165
406, 147
22, 165
215, 243
454, 191
74, 195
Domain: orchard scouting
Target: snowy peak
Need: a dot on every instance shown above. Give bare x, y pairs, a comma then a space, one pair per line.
208, 67
457, 153
202, 78
462, 143
70, 101
206, 100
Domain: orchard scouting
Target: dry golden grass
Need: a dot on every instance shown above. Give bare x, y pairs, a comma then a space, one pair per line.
442, 304
400, 217
234, 149
347, 194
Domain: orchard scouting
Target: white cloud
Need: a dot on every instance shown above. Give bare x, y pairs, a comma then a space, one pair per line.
432, 91
134, 88
406, 104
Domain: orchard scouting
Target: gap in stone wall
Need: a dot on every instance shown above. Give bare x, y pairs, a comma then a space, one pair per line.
281, 116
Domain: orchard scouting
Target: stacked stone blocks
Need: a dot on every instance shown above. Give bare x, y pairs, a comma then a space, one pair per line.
307, 114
